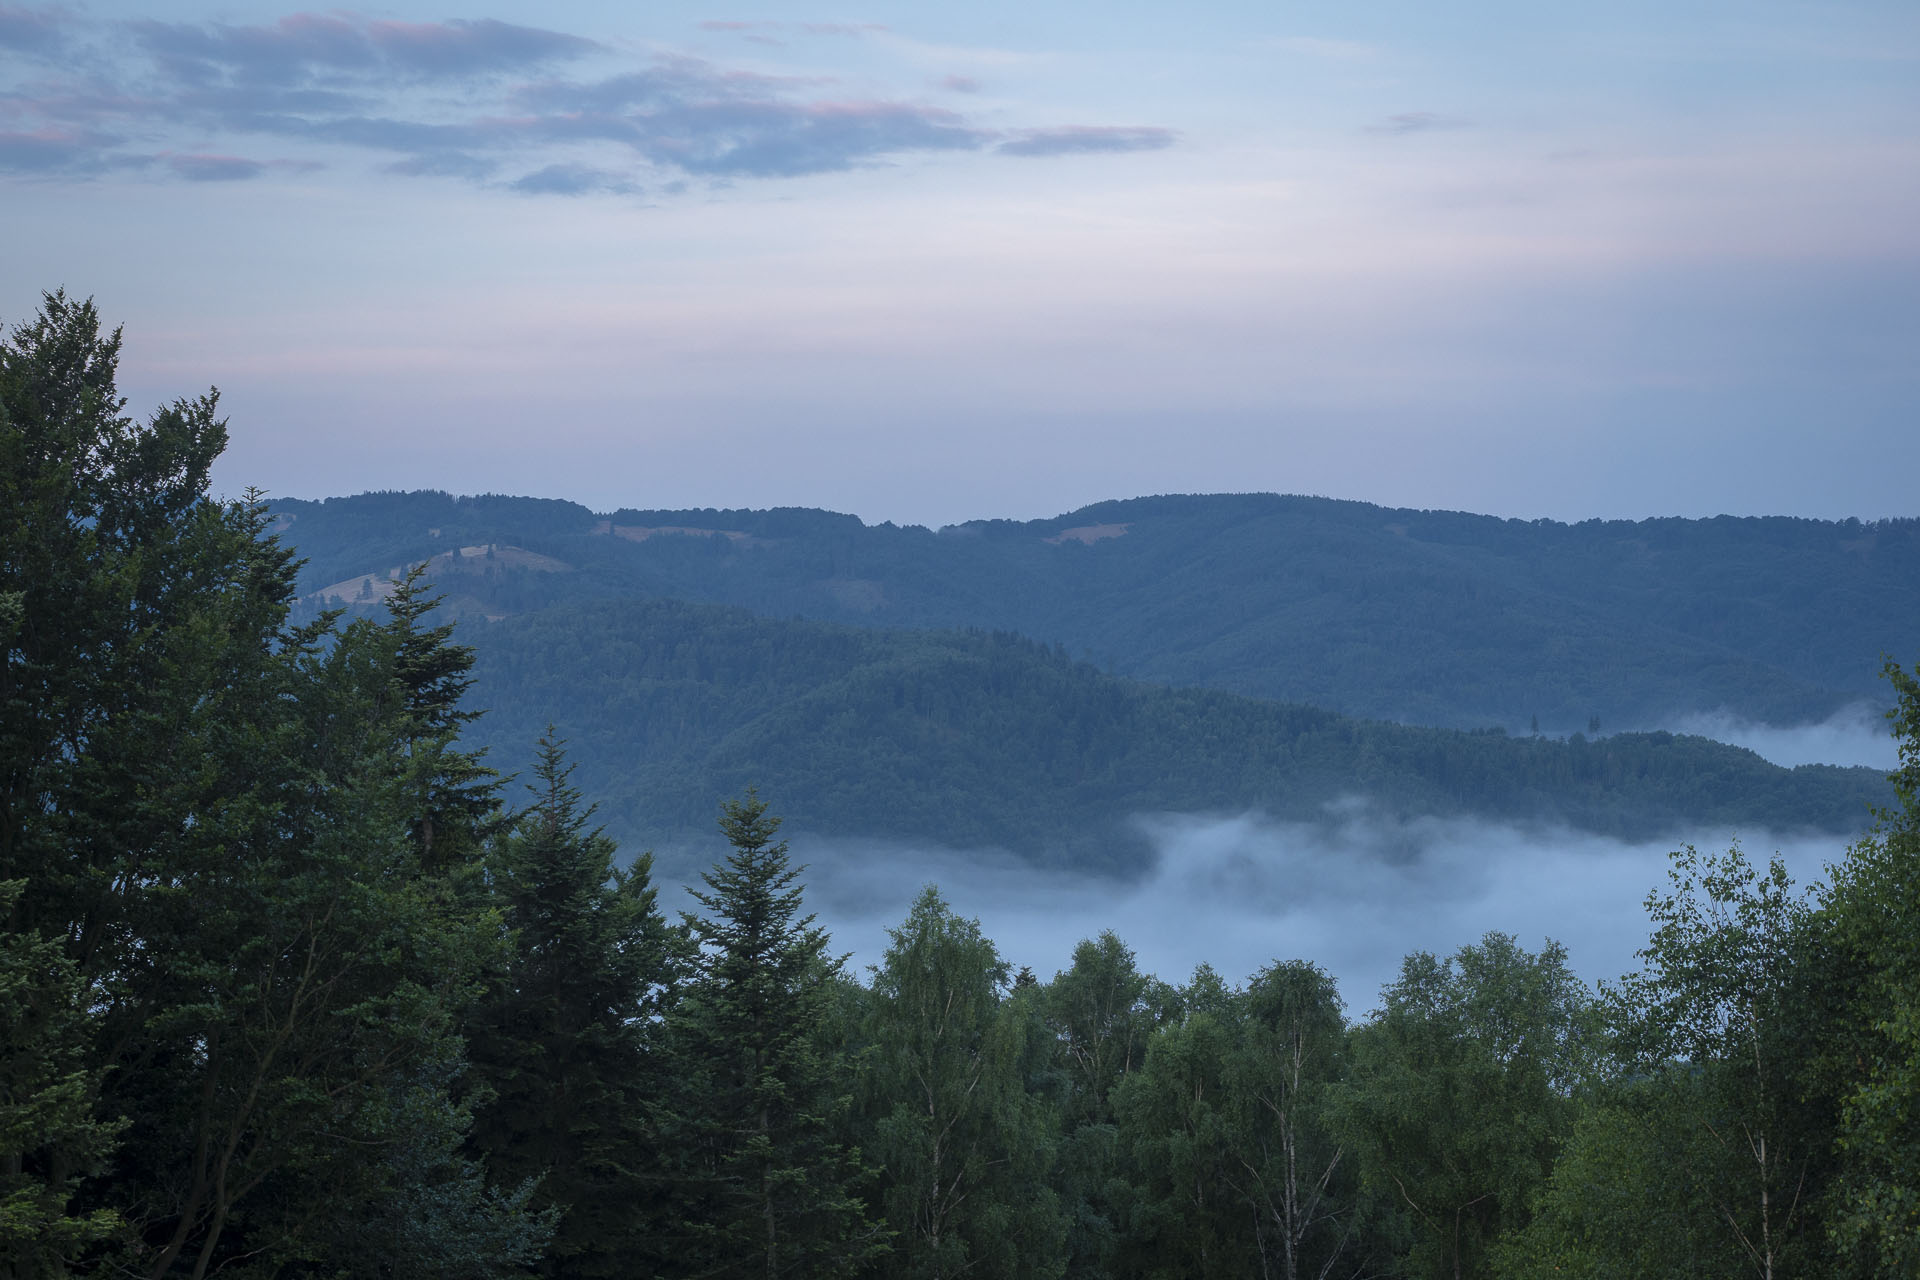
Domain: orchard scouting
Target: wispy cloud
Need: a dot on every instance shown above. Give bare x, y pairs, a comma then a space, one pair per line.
469, 99
203, 168
843, 28
305, 44
758, 28
1079, 139
50, 151
572, 180
1417, 122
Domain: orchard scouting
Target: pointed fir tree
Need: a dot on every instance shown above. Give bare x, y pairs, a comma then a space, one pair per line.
763, 1186
562, 1039
459, 804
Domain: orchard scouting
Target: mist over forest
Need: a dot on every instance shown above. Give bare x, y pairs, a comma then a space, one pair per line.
1853, 735
1355, 894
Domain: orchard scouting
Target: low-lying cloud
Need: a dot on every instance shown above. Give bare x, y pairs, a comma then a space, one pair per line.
470, 98
1854, 735
1354, 893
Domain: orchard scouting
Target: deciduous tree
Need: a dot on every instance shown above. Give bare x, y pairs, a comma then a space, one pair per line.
966, 1147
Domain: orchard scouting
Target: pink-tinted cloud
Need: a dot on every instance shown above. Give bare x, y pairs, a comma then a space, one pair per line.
344, 81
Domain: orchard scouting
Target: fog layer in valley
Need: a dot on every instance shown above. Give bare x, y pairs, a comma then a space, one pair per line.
1354, 894
1856, 734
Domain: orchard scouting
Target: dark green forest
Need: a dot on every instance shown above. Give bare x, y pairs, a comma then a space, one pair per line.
974, 739
293, 985
1422, 617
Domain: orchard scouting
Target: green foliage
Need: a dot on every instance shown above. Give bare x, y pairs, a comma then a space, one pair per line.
1870, 923
1292, 1169
1176, 1120
561, 1040
1622, 1199
49, 1136
1459, 1095
459, 803
762, 1186
291, 1017
1710, 1021
211, 815
965, 1145
1101, 1012
1233, 1167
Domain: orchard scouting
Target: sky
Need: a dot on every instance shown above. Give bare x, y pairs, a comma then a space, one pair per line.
933, 262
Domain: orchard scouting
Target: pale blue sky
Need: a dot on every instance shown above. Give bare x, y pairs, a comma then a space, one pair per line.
930, 262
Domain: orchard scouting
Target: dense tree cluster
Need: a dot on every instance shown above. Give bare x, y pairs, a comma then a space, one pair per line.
289, 988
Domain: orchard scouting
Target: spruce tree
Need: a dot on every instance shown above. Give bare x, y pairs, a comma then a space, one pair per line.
459, 803
762, 1186
561, 1041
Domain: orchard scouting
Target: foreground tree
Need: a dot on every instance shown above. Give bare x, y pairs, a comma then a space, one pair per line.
1291, 1169
47, 1098
457, 802
1869, 929
965, 1145
1459, 1095
119, 603
210, 815
562, 1037
761, 1186
1176, 1117
1709, 1023
1101, 1012
1624, 1198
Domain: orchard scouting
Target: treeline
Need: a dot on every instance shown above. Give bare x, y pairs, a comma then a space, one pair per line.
289, 988
972, 739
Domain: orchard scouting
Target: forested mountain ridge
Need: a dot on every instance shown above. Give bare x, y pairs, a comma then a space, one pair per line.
988, 739
1423, 617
